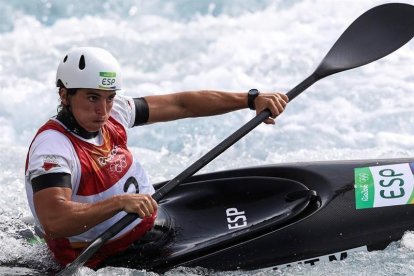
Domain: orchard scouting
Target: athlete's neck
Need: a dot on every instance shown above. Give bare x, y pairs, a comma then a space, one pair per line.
66, 117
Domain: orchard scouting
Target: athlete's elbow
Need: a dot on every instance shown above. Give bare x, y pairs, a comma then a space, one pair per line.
56, 228
52, 230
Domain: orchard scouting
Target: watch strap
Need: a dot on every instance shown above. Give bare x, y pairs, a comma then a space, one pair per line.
251, 96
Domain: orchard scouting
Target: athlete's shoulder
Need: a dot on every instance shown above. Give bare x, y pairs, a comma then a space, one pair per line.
123, 110
51, 140
50, 152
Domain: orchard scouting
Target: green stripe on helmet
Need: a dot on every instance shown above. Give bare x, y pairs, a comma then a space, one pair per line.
107, 74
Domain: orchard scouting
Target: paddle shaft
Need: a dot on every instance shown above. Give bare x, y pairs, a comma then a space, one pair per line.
205, 159
228, 142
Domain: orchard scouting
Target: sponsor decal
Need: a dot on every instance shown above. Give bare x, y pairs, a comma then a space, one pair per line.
50, 162
380, 186
107, 80
235, 218
338, 256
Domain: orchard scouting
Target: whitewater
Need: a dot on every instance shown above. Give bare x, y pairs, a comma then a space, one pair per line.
170, 46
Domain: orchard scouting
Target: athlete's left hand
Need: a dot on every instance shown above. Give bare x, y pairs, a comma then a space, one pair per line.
275, 102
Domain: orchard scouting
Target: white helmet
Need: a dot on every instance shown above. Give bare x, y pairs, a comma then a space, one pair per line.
89, 67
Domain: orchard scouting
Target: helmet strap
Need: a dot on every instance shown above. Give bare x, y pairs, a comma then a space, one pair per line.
65, 116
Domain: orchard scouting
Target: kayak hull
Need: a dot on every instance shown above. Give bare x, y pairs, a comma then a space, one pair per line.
267, 217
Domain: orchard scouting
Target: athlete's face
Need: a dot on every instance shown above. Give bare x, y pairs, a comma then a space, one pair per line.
91, 107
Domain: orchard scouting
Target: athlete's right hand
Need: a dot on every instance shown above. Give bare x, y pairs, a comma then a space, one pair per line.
141, 204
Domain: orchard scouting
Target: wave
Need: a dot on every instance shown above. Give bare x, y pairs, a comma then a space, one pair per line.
47, 12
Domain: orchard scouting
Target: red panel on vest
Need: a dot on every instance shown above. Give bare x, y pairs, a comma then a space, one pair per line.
102, 166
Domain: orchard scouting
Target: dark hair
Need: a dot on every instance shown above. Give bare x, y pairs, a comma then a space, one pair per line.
71, 91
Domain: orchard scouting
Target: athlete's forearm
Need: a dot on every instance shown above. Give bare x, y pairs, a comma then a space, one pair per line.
62, 217
208, 102
193, 104
65, 218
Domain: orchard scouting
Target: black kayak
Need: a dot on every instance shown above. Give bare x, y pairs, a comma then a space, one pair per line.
268, 217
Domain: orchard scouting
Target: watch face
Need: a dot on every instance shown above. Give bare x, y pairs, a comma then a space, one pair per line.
253, 91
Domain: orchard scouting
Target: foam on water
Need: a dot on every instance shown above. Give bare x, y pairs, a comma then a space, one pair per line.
167, 46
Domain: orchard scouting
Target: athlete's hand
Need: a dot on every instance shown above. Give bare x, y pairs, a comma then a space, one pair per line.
141, 204
275, 102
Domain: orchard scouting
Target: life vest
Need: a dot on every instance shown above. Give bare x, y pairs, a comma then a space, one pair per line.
106, 170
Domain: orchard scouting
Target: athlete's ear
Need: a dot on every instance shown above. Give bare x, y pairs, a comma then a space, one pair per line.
63, 93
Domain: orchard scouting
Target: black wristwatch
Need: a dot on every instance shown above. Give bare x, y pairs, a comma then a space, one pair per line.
251, 95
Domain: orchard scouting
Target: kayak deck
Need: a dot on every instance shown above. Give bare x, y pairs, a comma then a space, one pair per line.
264, 217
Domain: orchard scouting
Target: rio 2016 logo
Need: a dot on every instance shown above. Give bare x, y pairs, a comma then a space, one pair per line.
363, 177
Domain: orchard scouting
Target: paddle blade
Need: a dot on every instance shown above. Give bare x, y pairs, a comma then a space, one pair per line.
375, 34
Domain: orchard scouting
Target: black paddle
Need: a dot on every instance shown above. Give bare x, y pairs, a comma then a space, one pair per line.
375, 34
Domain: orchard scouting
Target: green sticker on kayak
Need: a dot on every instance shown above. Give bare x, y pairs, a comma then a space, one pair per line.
380, 186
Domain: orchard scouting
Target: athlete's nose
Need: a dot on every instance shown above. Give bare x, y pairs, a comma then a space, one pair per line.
101, 107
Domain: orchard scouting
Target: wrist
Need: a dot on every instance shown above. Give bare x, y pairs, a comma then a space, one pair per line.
119, 203
251, 96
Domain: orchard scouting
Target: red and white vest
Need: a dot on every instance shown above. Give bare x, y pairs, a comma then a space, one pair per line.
99, 169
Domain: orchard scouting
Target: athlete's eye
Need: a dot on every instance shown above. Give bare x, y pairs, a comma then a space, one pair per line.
92, 98
111, 98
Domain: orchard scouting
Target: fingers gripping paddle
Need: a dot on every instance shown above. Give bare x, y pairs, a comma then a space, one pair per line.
375, 34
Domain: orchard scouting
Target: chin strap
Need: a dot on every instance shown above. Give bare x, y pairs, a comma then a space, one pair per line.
66, 117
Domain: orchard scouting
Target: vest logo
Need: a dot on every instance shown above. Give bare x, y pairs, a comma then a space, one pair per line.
118, 162
105, 160
50, 162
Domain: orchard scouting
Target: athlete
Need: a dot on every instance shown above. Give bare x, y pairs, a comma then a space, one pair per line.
80, 176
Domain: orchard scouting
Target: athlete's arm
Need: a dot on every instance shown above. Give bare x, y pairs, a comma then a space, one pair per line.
62, 217
207, 103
